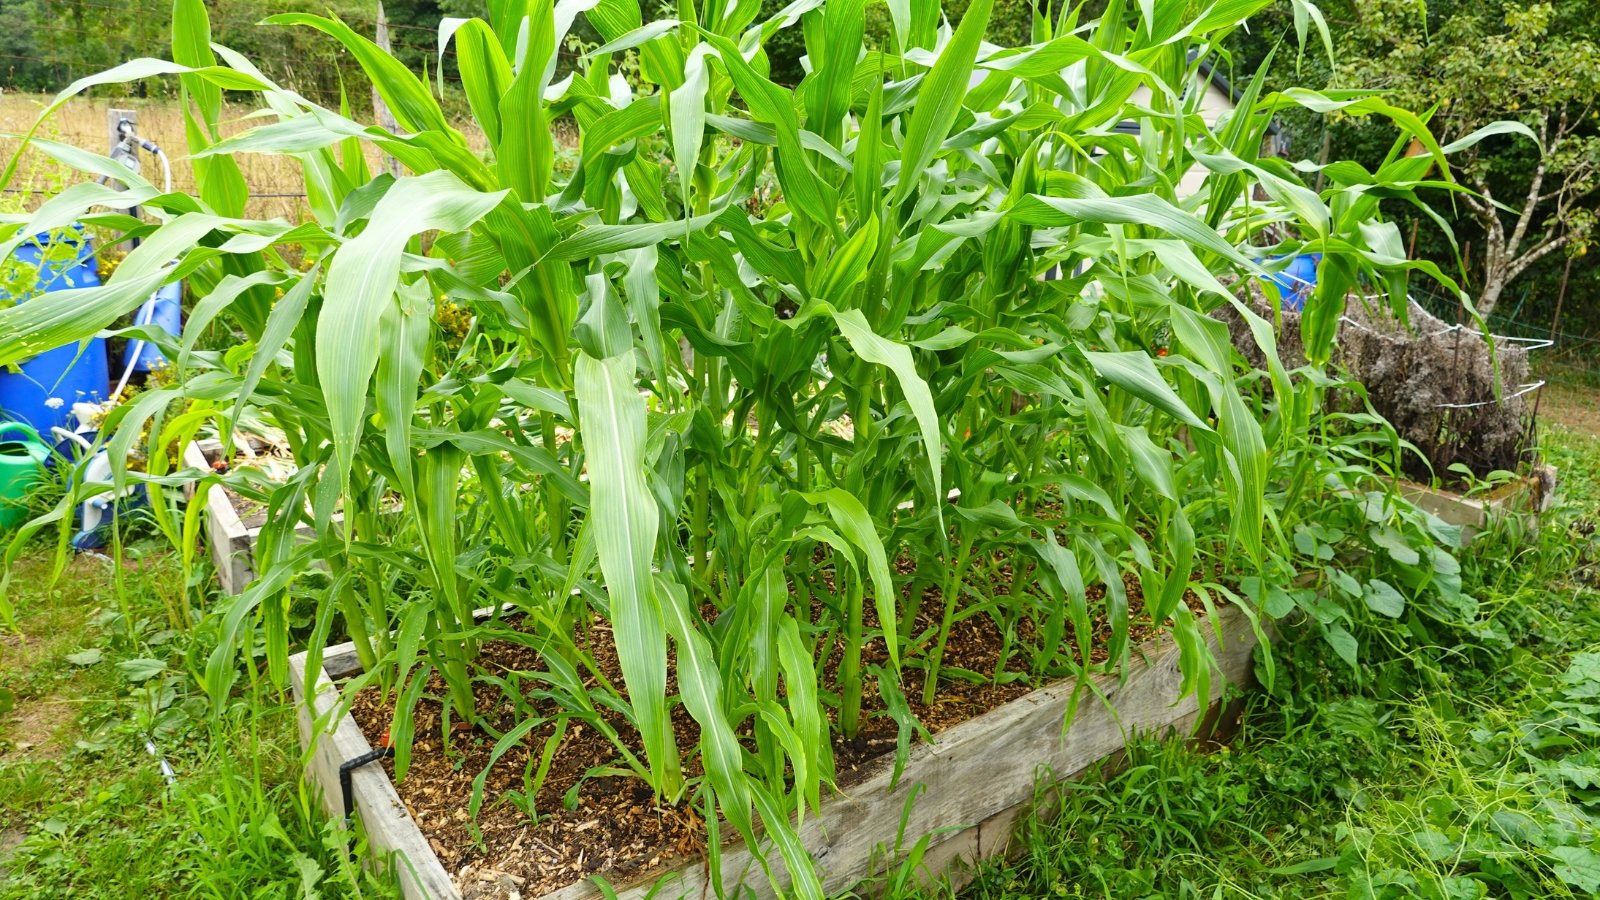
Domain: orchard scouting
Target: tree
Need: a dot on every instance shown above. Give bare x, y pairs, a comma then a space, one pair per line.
1479, 62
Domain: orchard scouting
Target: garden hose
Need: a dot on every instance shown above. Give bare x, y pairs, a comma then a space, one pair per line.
146, 311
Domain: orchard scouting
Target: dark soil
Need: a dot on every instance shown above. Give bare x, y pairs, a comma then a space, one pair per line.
617, 829
252, 513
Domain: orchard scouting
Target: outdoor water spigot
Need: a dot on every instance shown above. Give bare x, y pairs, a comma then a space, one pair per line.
129, 136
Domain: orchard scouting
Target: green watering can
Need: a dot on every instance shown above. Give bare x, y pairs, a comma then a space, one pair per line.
22, 458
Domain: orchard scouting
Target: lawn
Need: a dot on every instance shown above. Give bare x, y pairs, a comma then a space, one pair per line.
101, 697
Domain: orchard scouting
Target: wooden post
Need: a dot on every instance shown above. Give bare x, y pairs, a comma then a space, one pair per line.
114, 117
380, 109
1555, 335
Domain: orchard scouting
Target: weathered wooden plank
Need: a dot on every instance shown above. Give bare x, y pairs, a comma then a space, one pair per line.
987, 765
232, 543
976, 779
1524, 498
391, 832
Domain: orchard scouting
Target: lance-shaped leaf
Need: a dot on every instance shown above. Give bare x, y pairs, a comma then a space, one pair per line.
856, 525
361, 285
624, 518
1135, 373
897, 358
939, 97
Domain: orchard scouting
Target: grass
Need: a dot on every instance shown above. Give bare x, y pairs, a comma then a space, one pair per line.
1463, 767
85, 809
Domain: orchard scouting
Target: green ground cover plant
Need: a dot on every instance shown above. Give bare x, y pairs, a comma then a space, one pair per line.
763, 371
95, 673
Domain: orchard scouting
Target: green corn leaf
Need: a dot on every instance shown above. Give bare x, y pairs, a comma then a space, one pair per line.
620, 126
1064, 564
868, 171
486, 442
599, 239
406, 95
856, 526
637, 37
777, 724
485, 72
220, 182
362, 281
897, 358
280, 325
1241, 436
848, 266
828, 91
1135, 209
804, 884
1136, 373
81, 160
404, 331
701, 687
1152, 464
503, 746
805, 707
212, 304
940, 97
804, 191
1181, 542
612, 418
526, 153
61, 317
687, 110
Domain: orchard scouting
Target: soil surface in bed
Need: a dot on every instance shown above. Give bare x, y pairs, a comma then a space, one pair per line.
616, 829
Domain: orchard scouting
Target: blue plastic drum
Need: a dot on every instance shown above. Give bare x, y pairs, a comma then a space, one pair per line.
166, 314
43, 392
1297, 282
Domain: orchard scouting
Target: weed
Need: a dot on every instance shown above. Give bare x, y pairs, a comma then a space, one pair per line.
87, 810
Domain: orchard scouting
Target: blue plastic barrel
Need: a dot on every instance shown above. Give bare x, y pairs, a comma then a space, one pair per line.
166, 314
43, 392
1297, 282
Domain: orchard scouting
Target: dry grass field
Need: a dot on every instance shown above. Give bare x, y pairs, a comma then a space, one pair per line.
276, 188
83, 122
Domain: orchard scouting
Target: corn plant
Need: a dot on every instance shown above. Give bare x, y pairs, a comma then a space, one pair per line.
760, 374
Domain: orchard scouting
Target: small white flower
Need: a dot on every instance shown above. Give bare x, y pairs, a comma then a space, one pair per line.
55, 403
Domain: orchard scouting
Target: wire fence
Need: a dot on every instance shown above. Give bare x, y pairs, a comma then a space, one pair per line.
417, 44
1571, 356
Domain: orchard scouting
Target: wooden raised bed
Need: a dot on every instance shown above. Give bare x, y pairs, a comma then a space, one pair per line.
1522, 500
977, 777
231, 539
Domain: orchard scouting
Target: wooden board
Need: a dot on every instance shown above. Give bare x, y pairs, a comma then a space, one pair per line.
391, 834
1521, 500
232, 544
975, 780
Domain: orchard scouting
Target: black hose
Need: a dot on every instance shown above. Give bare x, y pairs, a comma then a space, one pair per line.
346, 769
